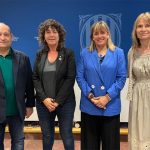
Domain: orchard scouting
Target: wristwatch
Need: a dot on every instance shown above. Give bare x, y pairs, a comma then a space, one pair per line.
108, 96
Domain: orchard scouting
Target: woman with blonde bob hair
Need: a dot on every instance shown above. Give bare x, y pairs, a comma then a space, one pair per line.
103, 27
101, 75
139, 84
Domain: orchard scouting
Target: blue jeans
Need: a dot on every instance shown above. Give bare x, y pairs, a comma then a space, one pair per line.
15, 126
65, 116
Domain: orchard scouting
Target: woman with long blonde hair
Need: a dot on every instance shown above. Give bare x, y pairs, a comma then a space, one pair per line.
139, 84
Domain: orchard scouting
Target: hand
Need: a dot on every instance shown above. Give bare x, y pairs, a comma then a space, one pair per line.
29, 111
56, 104
100, 101
50, 104
96, 101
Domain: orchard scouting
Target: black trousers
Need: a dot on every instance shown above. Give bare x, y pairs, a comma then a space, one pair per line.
100, 129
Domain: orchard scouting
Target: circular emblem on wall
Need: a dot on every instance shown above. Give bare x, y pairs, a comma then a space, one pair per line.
112, 20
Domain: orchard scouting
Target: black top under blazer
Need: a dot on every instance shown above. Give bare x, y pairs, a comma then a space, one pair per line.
65, 75
24, 90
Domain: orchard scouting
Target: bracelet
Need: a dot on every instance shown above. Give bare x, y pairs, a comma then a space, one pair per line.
90, 95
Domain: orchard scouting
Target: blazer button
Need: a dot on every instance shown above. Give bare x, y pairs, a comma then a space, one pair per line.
102, 87
92, 86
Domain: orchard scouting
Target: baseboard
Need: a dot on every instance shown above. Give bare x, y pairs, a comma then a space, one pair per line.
123, 131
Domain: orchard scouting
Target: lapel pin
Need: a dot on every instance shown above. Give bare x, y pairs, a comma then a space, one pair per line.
60, 58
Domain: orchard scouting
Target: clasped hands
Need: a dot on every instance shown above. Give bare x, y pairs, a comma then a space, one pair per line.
100, 101
50, 104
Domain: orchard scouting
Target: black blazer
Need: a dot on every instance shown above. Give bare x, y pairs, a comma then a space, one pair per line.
65, 75
24, 90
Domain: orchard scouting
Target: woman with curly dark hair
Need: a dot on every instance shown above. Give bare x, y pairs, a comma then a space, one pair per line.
54, 77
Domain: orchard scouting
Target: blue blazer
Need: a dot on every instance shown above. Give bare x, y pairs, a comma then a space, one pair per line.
24, 90
101, 78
